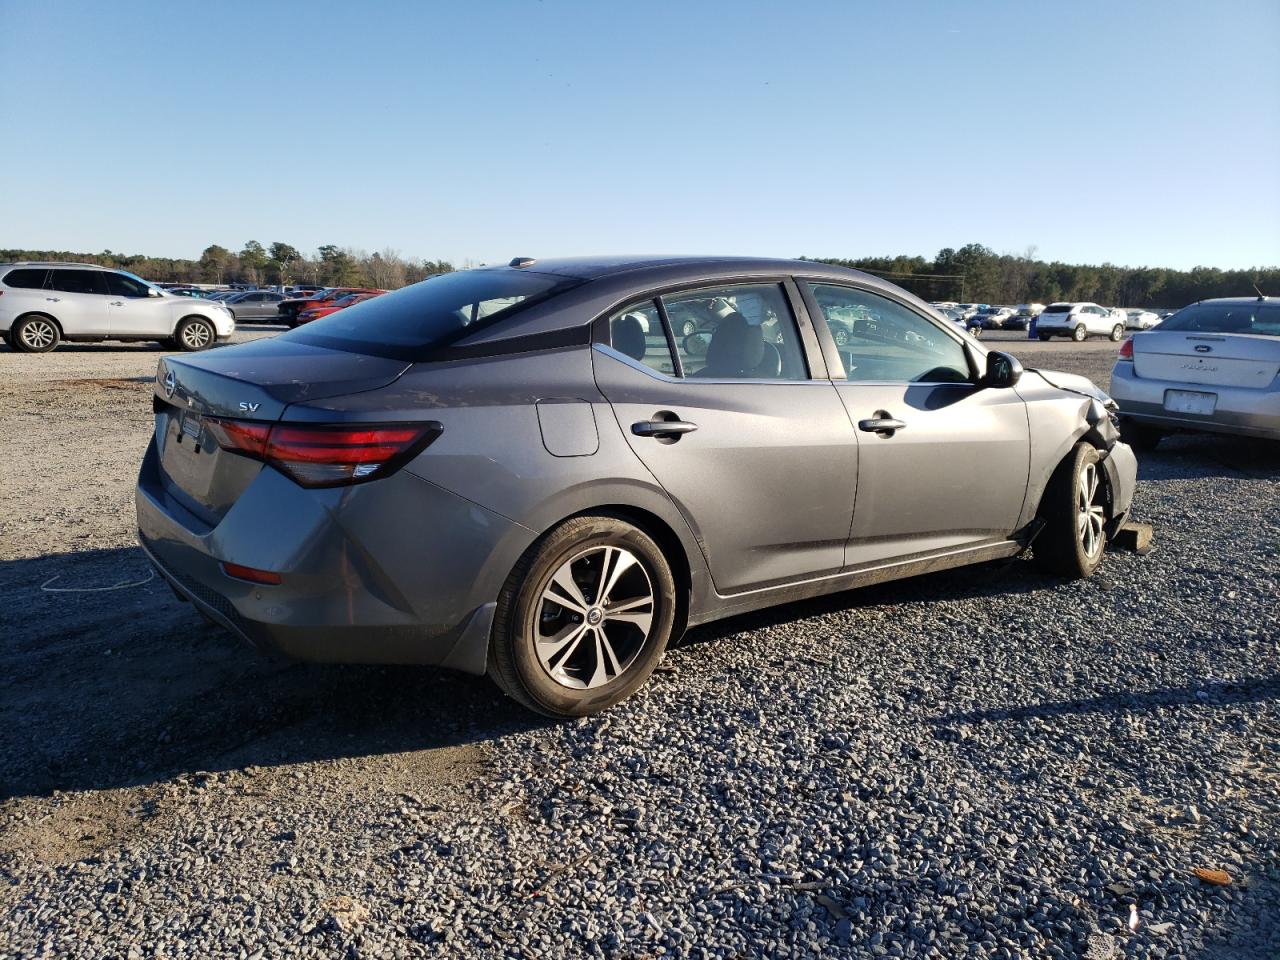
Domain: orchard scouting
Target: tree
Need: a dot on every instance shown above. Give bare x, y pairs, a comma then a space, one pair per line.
213, 263
283, 257
253, 261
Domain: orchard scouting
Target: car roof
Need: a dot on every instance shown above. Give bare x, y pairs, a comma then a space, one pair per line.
1241, 300
596, 268
55, 263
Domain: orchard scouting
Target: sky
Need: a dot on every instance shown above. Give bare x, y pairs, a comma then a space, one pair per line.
1135, 133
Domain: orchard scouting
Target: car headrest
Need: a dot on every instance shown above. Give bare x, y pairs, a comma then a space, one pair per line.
628, 337
736, 348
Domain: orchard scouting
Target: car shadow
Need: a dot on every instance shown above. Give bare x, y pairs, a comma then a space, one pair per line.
110, 681
1189, 455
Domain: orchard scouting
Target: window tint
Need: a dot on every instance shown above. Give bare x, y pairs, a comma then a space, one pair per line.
882, 340
1058, 308
25, 279
637, 332
433, 313
76, 281
122, 285
739, 332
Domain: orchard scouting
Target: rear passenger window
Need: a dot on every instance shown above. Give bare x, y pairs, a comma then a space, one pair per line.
636, 332
738, 332
25, 279
76, 281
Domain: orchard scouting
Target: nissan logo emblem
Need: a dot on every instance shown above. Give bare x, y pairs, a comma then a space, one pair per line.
170, 383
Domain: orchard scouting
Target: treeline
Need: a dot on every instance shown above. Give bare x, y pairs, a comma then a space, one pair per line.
279, 263
977, 274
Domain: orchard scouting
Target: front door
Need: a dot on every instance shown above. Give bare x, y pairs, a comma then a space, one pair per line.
758, 456
134, 311
943, 464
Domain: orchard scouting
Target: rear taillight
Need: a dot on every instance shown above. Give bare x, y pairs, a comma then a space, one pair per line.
325, 455
1126, 349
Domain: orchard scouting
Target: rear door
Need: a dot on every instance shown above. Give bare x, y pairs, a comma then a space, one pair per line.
753, 447
942, 463
77, 299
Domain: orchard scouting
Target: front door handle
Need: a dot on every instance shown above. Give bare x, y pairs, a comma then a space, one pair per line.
54, 299
116, 303
884, 425
663, 429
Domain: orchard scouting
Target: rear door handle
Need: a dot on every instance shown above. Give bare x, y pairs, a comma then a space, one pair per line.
885, 426
54, 299
661, 429
116, 303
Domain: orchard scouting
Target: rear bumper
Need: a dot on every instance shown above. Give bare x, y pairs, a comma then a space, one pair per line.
395, 571
1238, 411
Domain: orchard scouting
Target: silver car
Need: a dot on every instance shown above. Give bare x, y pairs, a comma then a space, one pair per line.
260, 305
525, 471
1213, 366
42, 304
1080, 321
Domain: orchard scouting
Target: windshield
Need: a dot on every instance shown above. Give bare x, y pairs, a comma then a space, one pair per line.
1257, 317
433, 313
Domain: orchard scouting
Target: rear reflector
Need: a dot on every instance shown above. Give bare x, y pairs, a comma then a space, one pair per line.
326, 455
250, 574
1126, 349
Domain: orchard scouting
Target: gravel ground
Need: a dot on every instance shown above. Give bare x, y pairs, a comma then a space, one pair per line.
981, 763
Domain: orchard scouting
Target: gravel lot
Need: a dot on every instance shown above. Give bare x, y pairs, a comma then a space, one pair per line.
981, 763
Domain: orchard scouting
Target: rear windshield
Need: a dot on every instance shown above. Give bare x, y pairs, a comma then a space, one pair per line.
1058, 308
1254, 317
434, 313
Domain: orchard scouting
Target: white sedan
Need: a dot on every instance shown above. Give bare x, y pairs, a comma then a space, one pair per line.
1213, 366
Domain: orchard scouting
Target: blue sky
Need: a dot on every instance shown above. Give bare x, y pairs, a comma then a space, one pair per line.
1135, 133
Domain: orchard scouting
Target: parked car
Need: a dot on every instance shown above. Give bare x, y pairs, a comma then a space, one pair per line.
1019, 320
287, 310
1141, 319
43, 303
332, 306
1029, 309
187, 292
1079, 321
569, 458
1213, 367
993, 318
260, 305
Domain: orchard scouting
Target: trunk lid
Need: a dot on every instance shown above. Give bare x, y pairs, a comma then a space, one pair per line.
1212, 359
251, 381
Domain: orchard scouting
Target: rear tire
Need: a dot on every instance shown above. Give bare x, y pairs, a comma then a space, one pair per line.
556, 648
194, 334
1080, 334
1117, 333
1074, 511
1044, 337
35, 333
1139, 435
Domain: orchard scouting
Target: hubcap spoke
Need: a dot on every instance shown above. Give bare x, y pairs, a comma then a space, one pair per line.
569, 595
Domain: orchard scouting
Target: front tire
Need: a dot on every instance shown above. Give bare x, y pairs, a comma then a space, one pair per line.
1079, 334
1074, 511
194, 334
35, 334
1044, 337
583, 619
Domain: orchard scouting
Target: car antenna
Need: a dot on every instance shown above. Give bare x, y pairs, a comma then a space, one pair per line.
1261, 295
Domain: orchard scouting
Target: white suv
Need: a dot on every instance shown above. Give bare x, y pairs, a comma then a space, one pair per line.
1080, 321
43, 303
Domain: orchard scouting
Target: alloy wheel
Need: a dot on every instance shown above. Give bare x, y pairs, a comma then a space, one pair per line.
38, 334
1090, 515
594, 617
196, 336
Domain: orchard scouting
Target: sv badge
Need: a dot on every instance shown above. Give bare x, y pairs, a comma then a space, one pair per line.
246, 407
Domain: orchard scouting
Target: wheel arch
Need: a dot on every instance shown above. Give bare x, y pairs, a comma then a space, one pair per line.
39, 313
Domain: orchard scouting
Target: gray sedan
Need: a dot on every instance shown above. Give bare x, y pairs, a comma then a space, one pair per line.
529, 471
255, 305
1212, 367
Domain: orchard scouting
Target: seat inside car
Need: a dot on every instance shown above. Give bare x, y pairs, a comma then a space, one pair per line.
738, 349
628, 337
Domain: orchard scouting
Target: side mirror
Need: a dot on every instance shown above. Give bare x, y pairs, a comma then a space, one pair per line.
153, 292
1003, 371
